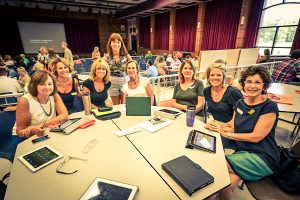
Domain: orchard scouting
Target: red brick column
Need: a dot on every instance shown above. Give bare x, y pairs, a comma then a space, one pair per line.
243, 23
200, 27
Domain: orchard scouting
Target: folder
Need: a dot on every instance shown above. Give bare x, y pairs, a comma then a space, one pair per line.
187, 174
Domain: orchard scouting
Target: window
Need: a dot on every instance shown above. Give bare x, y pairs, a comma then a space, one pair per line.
278, 26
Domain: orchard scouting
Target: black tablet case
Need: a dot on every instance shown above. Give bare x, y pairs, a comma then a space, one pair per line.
190, 145
187, 174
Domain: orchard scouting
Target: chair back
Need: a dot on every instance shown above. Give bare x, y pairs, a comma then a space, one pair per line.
7, 120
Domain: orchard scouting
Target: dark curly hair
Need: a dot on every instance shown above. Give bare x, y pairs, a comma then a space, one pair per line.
261, 71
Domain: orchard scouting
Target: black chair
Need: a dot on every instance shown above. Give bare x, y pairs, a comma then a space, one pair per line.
267, 189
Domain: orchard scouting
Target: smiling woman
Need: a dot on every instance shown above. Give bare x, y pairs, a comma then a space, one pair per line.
41, 108
189, 92
98, 84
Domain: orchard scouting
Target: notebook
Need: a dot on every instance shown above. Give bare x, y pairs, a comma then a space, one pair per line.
138, 106
154, 124
187, 174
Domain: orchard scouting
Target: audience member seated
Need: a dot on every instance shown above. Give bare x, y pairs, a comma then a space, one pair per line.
43, 56
148, 55
96, 54
36, 67
189, 91
98, 84
136, 86
169, 58
67, 87
253, 129
265, 58
220, 97
288, 70
151, 69
161, 66
42, 107
8, 61
30, 65
117, 57
24, 78
176, 63
8, 85
25, 60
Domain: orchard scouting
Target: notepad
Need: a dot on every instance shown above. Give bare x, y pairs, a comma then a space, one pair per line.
154, 124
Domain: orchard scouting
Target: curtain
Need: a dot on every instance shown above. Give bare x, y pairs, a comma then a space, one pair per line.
144, 32
296, 42
253, 23
161, 31
185, 28
221, 24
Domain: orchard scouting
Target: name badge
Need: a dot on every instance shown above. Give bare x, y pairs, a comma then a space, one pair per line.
251, 111
239, 111
74, 93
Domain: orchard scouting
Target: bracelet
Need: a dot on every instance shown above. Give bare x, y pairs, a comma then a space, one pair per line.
228, 135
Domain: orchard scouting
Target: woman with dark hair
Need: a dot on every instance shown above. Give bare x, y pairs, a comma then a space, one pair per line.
41, 107
189, 91
116, 57
253, 129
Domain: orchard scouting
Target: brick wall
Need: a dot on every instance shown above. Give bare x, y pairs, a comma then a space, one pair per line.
243, 23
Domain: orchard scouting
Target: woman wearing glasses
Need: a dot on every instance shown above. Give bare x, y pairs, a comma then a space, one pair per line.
42, 107
253, 129
98, 84
67, 87
220, 97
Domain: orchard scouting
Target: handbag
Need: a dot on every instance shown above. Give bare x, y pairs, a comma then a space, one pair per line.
3, 186
288, 175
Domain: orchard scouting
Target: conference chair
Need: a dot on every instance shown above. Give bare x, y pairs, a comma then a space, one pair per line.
267, 189
7, 100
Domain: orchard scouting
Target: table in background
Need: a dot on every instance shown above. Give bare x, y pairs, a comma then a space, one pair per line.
111, 158
169, 143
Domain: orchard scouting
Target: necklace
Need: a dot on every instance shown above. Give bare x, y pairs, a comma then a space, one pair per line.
132, 83
43, 107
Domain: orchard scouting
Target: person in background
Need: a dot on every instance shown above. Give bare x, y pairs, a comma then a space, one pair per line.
8, 85
220, 97
96, 53
116, 57
67, 52
98, 84
24, 78
52, 56
151, 70
176, 63
288, 70
8, 61
161, 66
265, 58
67, 87
42, 107
30, 65
36, 67
148, 55
43, 56
169, 58
136, 86
189, 91
25, 60
253, 129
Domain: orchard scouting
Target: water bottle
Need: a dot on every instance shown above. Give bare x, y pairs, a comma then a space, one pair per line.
86, 99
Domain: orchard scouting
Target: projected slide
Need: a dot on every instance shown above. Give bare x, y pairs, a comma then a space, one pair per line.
34, 35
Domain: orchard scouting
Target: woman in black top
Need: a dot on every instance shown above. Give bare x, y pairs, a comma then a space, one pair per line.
220, 98
67, 87
98, 84
253, 129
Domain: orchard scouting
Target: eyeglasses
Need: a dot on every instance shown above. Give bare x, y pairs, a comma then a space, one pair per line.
60, 166
256, 83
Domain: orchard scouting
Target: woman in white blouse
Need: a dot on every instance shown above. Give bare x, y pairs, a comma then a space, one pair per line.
136, 86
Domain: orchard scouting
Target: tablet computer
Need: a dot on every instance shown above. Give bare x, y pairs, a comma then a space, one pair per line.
108, 189
167, 113
201, 141
68, 126
39, 158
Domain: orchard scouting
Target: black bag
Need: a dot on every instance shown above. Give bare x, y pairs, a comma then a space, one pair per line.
288, 175
3, 186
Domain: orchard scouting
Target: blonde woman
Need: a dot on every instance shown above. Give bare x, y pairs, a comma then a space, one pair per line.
161, 65
96, 53
24, 78
36, 67
189, 91
98, 84
43, 56
136, 86
67, 87
220, 97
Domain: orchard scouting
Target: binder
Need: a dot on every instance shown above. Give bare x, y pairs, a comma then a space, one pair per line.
187, 174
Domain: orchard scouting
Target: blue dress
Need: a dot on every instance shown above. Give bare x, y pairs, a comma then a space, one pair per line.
97, 98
